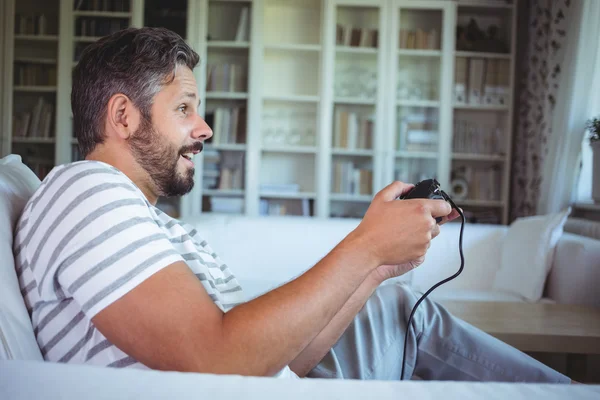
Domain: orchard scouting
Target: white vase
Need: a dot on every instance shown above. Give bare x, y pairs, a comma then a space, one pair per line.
596, 172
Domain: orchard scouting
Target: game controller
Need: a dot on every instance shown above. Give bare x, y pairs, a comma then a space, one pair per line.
427, 189
430, 189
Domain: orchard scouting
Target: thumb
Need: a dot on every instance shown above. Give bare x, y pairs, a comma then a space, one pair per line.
394, 190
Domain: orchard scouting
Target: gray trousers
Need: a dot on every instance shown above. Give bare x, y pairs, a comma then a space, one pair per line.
440, 346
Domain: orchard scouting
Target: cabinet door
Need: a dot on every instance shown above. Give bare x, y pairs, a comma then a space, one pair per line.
288, 80
358, 70
419, 117
225, 109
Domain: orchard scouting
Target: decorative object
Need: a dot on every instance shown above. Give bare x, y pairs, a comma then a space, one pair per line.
593, 127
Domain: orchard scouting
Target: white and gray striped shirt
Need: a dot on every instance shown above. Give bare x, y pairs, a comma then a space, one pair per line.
87, 237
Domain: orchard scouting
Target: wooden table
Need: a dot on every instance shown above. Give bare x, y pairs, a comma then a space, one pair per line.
537, 327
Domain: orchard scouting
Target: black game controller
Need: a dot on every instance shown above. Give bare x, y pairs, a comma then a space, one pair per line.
426, 189
430, 189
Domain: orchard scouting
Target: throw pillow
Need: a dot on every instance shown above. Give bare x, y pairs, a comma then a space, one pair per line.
527, 254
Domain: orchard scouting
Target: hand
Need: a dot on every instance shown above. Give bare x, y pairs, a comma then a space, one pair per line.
399, 232
387, 271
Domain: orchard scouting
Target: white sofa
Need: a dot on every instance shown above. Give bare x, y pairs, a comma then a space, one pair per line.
265, 251
25, 375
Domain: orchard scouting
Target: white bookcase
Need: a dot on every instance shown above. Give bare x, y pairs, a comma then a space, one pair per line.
316, 104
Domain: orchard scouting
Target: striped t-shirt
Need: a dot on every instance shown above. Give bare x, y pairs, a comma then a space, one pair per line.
87, 237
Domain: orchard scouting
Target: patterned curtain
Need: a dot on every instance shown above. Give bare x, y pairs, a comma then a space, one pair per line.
544, 53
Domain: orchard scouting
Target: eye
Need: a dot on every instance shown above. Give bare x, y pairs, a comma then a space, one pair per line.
182, 108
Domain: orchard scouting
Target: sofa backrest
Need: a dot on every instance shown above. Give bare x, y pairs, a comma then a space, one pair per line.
17, 185
575, 273
264, 252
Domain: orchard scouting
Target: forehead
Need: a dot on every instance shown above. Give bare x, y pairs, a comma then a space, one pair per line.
184, 81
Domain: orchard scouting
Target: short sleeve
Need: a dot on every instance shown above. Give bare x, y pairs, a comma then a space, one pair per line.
101, 240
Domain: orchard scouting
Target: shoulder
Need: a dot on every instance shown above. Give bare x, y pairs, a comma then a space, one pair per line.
80, 181
74, 191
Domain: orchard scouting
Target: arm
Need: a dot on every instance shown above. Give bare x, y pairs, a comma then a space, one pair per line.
316, 350
169, 322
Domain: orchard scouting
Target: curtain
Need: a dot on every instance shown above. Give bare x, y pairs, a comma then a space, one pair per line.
555, 90
575, 101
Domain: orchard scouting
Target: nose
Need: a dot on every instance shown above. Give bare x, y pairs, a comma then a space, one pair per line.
202, 130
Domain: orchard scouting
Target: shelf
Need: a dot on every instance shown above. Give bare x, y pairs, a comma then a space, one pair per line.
226, 147
357, 198
483, 4
41, 38
35, 60
587, 205
417, 154
33, 140
479, 203
420, 52
293, 98
227, 95
35, 89
283, 195
222, 192
86, 39
481, 107
102, 14
419, 103
478, 157
290, 149
293, 47
356, 50
227, 44
477, 54
355, 101
352, 152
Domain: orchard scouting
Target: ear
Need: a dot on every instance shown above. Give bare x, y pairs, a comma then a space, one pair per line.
122, 116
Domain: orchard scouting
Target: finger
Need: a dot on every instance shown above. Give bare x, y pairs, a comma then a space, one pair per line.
453, 215
394, 190
438, 208
435, 231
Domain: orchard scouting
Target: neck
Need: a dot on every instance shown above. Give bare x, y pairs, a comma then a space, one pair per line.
124, 162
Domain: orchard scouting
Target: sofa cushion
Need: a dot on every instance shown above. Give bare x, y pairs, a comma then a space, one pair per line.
528, 253
17, 185
575, 272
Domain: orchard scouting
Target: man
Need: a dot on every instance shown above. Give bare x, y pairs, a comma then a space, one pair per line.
110, 280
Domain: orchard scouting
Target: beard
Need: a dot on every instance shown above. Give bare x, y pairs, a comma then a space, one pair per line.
159, 159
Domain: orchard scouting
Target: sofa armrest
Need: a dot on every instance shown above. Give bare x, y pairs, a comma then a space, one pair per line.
575, 272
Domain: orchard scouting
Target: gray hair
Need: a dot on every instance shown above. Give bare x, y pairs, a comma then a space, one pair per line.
136, 62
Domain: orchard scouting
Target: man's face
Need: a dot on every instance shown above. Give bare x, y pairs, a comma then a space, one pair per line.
165, 146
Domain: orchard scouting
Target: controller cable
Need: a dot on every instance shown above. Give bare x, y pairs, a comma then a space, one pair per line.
462, 265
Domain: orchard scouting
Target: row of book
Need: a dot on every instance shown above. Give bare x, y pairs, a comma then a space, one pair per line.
476, 138
272, 207
419, 39
94, 27
418, 132
481, 81
102, 5
353, 130
228, 125
349, 179
223, 170
226, 77
478, 182
34, 123
31, 24
34, 74
225, 205
348, 35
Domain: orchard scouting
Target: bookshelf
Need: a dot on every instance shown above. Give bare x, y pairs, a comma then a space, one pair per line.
315, 105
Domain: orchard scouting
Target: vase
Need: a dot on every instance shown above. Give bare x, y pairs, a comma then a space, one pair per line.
596, 171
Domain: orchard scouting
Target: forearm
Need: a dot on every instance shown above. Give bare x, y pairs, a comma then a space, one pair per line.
267, 333
324, 341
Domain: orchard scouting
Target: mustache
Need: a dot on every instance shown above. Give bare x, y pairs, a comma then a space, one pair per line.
197, 146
